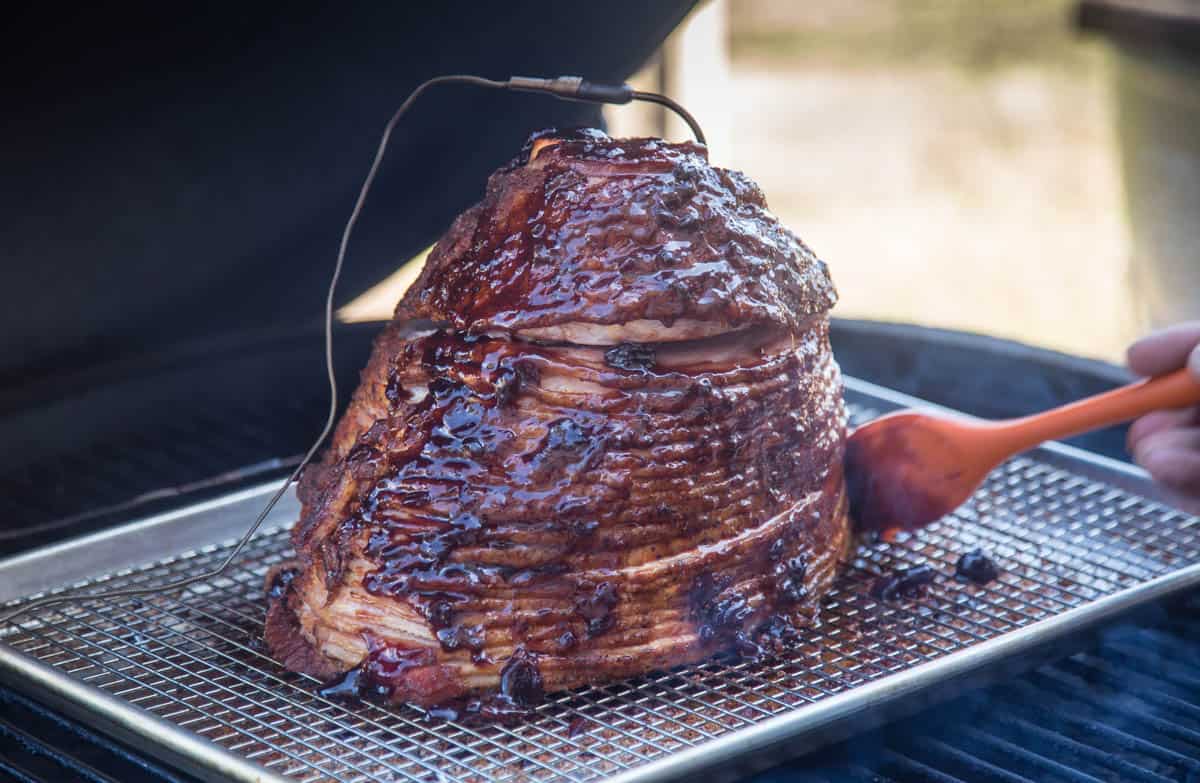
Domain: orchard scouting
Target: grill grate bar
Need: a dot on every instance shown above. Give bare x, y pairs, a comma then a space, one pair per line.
1072, 720
1018, 758
1134, 732
971, 765
905, 768
1061, 538
1067, 748
1149, 694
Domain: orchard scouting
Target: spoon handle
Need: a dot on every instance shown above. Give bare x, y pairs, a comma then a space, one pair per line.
1173, 390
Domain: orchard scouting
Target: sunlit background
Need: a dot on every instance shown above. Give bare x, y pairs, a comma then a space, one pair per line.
954, 161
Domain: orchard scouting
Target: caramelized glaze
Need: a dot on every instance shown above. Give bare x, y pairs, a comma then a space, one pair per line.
609, 231
497, 518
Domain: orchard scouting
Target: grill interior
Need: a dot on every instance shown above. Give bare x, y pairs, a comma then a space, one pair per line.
1125, 709
1061, 540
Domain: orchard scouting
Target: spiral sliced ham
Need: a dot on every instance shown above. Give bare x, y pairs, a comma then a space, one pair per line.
602, 436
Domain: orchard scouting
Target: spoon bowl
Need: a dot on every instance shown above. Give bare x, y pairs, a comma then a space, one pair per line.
908, 469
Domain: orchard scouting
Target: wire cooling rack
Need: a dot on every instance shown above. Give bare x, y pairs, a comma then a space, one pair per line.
1075, 540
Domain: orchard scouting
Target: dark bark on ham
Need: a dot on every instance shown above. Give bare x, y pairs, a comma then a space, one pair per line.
497, 514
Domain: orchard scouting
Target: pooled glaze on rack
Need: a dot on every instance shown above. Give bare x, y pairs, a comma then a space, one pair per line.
497, 518
904, 583
975, 566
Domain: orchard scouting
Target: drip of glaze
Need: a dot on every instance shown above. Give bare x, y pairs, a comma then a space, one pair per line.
977, 567
631, 356
521, 690
721, 616
789, 579
596, 608
280, 583
904, 583
347, 687
480, 712
521, 680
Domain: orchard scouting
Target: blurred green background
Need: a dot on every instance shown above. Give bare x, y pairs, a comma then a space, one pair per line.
969, 34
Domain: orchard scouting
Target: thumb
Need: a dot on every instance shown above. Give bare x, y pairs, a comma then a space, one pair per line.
1193, 362
1164, 350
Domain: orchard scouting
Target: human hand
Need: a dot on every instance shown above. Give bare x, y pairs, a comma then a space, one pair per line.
1167, 443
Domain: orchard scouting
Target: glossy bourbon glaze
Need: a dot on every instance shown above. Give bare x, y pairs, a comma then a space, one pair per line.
609, 231
498, 518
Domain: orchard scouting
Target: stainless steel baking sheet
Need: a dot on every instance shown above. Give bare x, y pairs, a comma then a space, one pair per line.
1079, 539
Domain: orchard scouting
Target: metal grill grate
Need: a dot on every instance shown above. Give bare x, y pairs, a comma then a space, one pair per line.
1062, 540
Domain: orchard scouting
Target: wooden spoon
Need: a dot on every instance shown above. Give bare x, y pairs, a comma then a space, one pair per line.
907, 469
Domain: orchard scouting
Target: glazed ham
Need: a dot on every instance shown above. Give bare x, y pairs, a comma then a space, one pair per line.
602, 435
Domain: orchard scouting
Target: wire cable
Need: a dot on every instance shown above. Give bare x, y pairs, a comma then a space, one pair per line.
684, 114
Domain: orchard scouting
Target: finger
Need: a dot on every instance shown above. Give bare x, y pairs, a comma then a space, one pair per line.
1173, 458
1165, 350
1159, 421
